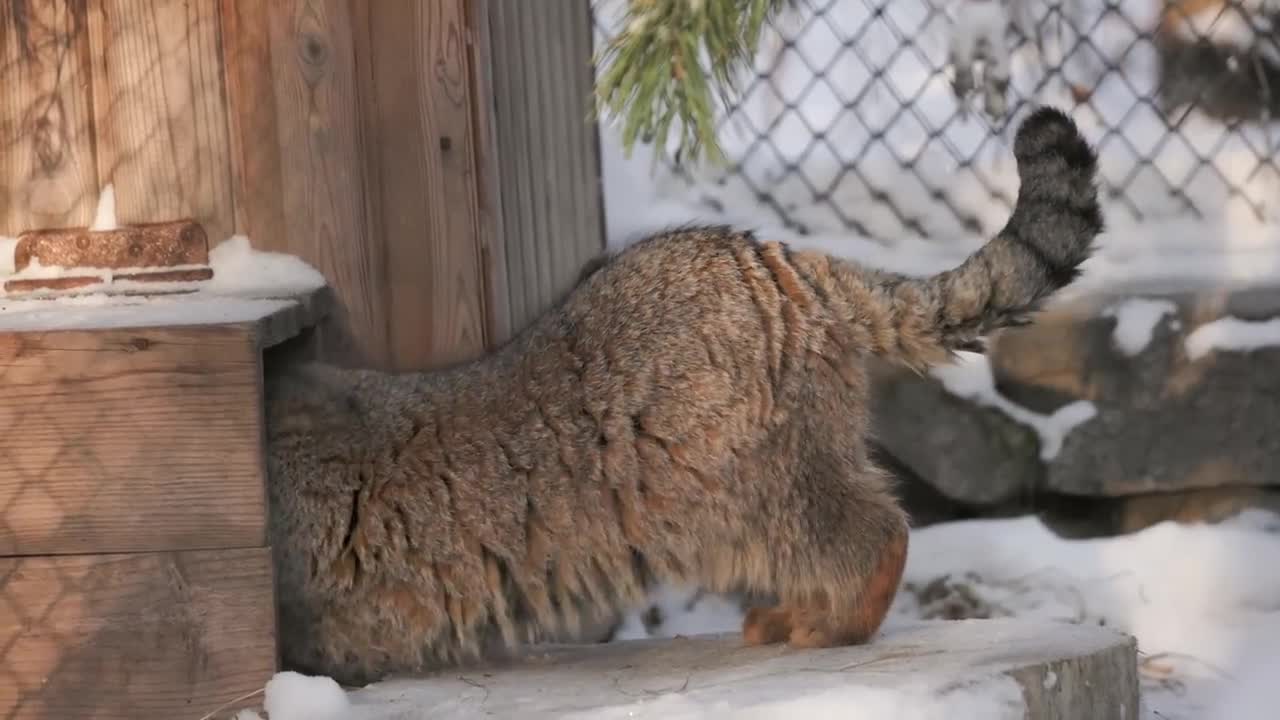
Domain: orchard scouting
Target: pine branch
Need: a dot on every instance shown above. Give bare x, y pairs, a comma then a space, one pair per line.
661, 68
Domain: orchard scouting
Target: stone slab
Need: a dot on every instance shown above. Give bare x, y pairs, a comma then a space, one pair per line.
989, 669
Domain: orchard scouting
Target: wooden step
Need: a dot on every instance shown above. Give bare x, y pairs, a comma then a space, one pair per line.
135, 576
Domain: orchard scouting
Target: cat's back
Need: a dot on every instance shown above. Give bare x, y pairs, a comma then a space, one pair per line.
676, 285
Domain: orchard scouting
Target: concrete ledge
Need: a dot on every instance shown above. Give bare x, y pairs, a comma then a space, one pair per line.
987, 669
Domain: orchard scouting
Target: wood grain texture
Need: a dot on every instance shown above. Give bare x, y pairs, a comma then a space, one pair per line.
48, 172
257, 177
134, 637
160, 116
423, 139
319, 141
131, 440
548, 150
493, 251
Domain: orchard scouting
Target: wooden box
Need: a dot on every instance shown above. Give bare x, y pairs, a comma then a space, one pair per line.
135, 576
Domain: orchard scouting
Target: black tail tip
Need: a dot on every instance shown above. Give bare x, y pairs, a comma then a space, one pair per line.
1050, 131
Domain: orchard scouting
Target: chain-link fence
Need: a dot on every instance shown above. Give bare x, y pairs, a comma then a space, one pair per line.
892, 117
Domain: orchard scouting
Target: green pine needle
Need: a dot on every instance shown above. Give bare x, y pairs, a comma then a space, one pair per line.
663, 65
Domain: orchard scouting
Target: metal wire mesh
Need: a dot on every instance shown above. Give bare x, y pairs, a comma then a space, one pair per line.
850, 120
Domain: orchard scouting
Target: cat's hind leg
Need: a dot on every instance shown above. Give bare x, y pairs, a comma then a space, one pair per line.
839, 560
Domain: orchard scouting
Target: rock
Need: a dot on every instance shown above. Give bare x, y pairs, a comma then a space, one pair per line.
988, 669
1077, 517
1209, 505
924, 503
970, 454
1165, 421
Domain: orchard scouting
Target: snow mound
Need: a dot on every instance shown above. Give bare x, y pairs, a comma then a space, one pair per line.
293, 696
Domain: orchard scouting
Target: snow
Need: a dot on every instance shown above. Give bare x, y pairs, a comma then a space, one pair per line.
1136, 321
1196, 620
240, 269
1232, 334
970, 377
293, 696
684, 611
1250, 693
990, 699
1050, 680
247, 284
104, 218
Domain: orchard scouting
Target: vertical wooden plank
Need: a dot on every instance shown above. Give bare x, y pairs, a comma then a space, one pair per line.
48, 173
322, 170
493, 252
254, 140
159, 111
548, 151
423, 134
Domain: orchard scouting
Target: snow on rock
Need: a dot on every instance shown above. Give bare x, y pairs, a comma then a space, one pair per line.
293, 696
970, 377
1136, 321
1232, 334
104, 218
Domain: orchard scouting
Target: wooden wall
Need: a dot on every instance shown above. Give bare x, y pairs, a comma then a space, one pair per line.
549, 174
431, 157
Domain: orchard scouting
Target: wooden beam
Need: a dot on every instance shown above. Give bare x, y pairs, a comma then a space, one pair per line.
131, 440
134, 637
421, 139
322, 180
